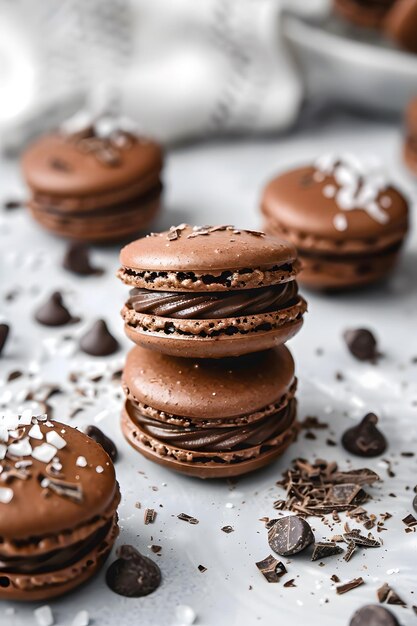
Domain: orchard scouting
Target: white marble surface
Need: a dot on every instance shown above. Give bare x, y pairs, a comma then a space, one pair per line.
214, 183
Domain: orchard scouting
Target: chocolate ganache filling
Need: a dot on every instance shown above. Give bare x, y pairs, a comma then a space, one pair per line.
218, 439
54, 560
213, 305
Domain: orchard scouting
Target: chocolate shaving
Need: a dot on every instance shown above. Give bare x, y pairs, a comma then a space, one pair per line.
290, 583
360, 540
324, 549
352, 584
72, 491
387, 594
271, 568
188, 518
351, 549
149, 516
202, 569
410, 520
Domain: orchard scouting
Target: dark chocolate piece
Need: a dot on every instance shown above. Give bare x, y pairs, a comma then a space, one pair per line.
4, 333
202, 569
351, 549
362, 344
98, 341
410, 520
352, 584
361, 540
53, 312
133, 575
77, 260
290, 535
373, 615
105, 442
323, 549
365, 439
272, 569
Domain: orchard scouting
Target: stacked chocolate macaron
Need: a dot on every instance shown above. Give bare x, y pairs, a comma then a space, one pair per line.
210, 386
94, 182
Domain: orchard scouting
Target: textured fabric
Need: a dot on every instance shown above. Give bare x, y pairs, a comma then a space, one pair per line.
180, 68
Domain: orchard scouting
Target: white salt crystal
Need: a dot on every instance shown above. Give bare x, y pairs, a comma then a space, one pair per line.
6, 495
45, 452
44, 616
55, 439
35, 432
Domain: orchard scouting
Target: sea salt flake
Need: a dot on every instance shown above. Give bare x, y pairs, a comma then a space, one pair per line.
81, 619
55, 439
35, 432
6, 495
99, 469
4, 434
340, 222
20, 448
9, 421
329, 191
43, 616
81, 461
385, 202
229, 505
25, 419
3, 450
45, 452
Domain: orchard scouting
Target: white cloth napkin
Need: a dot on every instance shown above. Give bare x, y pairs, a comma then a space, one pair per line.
179, 68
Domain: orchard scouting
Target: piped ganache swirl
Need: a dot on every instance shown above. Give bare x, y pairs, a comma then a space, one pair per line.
218, 305
221, 438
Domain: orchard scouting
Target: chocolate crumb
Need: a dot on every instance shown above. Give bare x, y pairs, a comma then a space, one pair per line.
11, 205
386, 593
133, 575
202, 569
410, 520
290, 583
156, 549
228, 529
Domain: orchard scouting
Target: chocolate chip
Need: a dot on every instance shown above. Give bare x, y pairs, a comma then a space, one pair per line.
290, 535
365, 439
4, 333
323, 549
362, 344
53, 312
77, 260
271, 569
373, 615
11, 205
98, 341
133, 575
105, 442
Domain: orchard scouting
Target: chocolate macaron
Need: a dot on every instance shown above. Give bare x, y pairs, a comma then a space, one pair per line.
346, 220
210, 292
401, 24
58, 507
97, 183
210, 418
366, 13
410, 146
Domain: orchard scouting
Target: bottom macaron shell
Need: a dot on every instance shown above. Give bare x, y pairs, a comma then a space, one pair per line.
284, 325
46, 585
333, 275
105, 226
139, 440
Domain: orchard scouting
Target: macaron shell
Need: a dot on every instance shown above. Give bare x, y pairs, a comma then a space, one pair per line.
208, 389
205, 470
31, 514
297, 202
288, 323
401, 24
101, 227
47, 585
362, 13
85, 174
410, 155
218, 250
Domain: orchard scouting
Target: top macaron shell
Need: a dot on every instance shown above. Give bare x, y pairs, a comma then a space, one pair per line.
304, 203
209, 251
82, 173
30, 513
